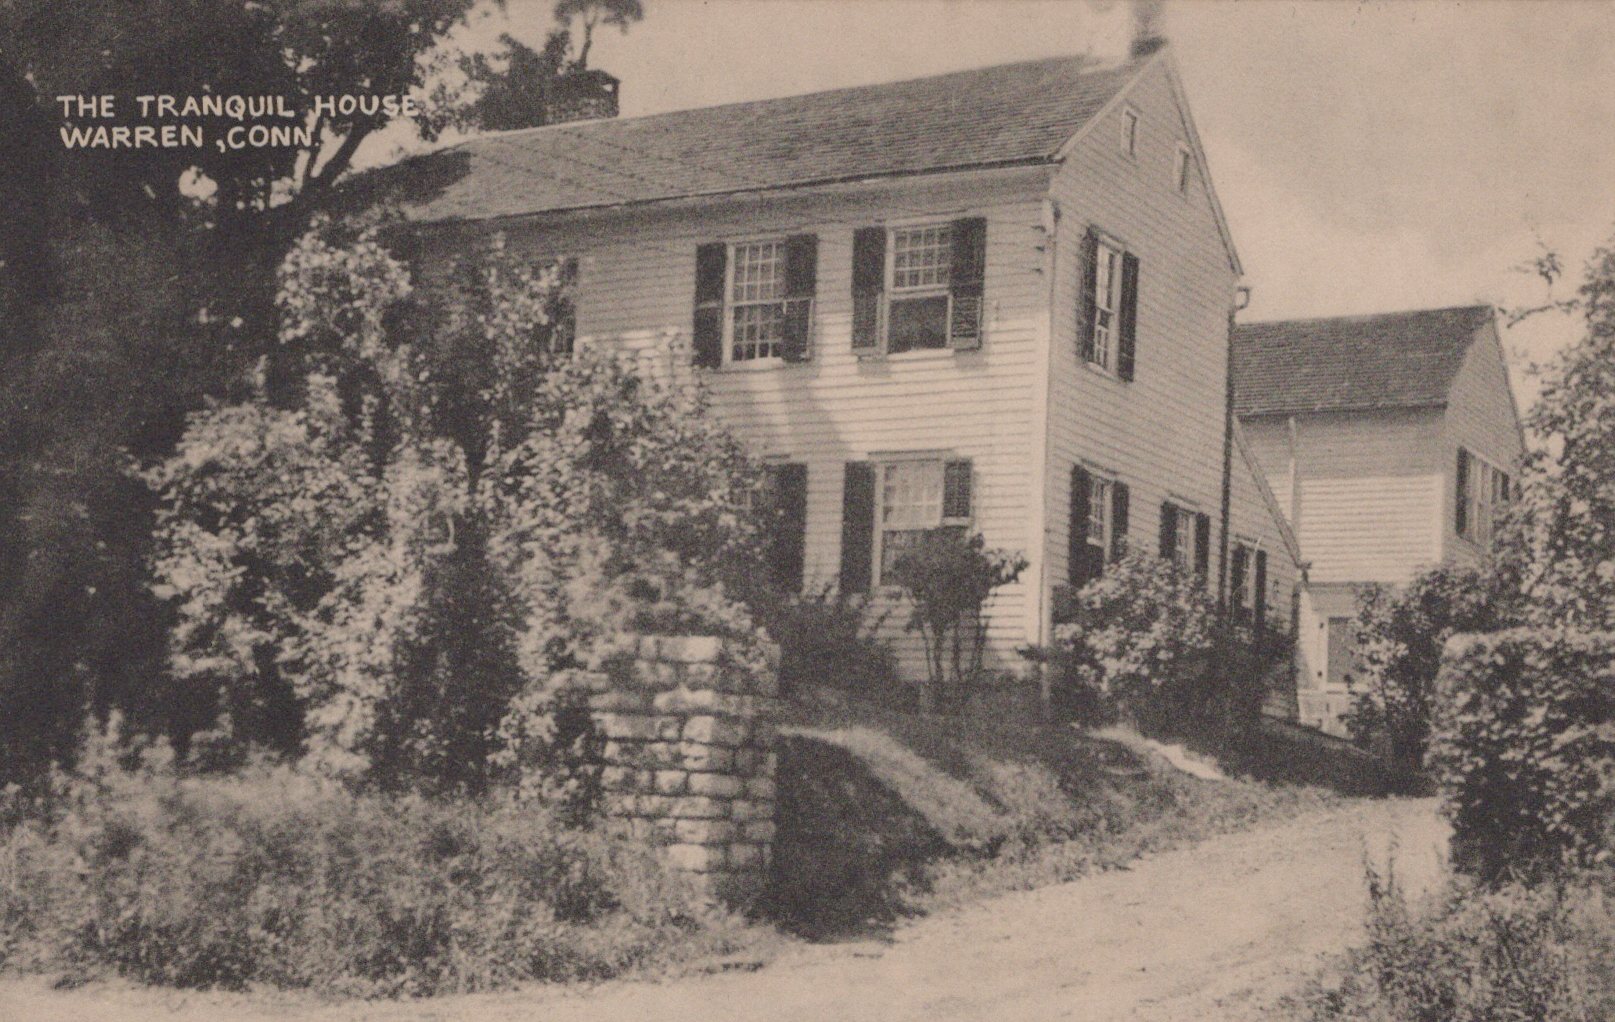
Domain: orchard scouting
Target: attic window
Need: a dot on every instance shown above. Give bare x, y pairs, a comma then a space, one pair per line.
1180, 174
1129, 132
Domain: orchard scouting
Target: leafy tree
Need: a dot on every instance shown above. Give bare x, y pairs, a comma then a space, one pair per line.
1400, 633
1565, 543
406, 563
591, 14
136, 283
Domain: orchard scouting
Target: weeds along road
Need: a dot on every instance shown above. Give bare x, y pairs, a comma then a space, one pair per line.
1217, 931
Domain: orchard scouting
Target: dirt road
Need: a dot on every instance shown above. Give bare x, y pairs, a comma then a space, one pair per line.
1217, 931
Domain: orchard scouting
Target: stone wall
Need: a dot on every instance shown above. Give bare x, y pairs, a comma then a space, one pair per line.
689, 758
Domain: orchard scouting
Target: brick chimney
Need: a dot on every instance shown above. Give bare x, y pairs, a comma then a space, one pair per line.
584, 95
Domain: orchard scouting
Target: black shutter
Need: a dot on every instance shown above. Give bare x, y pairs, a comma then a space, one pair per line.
788, 551
857, 527
1259, 611
966, 280
710, 266
1118, 520
1460, 520
868, 280
1086, 300
1202, 545
1127, 345
801, 281
1079, 565
1236, 580
1169, 529
956, 488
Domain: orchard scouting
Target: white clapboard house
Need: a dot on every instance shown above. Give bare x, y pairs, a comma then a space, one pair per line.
997, 299
1390, 441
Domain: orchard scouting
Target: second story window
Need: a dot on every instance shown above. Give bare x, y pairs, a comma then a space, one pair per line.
756, 296
1107, 314
754, 301
918, 287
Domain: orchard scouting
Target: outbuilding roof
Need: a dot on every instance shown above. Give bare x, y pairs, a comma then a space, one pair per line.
1352, 363
1011, 114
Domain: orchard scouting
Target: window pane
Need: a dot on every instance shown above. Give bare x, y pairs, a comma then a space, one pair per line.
758, 331
759, 271
918, 323
911, 495
920, 257
1098, 510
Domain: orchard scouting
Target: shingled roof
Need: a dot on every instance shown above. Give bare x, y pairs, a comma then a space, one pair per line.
1352, 363
1007, 115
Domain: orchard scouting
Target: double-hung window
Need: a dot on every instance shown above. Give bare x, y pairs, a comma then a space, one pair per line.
917, 310
917, 497
1107, 301
1183, 552
1483, 491
756, 301
1100, 496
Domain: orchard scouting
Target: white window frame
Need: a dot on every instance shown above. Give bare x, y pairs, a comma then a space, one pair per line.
937, 459
1180, 170
1107, 301
1129, 139
890, 292
1101, 495
1485, 494
731, 305
1184, 553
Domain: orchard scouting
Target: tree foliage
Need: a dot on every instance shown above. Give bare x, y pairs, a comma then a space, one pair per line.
451, 516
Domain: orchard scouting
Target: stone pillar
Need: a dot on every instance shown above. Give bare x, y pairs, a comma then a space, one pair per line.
689, 759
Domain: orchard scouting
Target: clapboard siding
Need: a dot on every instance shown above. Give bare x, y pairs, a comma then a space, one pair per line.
1161, 433
1481, 418
635, 292
1371, 528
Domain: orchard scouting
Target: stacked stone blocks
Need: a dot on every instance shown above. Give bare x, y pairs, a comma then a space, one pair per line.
689, 757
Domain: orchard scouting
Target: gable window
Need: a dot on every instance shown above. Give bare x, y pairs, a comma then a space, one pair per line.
1483, 490
1129, 132
754, 301
1108, 311
1180, 171
917, 497
918, 287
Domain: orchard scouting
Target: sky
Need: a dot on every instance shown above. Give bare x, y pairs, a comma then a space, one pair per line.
1369, 156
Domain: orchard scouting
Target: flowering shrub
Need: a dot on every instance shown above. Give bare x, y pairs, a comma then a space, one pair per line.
950, 578
1400, 633
1523, 747
827, 638
1140, 643
406, 554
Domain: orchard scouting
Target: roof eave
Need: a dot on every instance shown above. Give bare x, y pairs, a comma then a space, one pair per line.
1381, 406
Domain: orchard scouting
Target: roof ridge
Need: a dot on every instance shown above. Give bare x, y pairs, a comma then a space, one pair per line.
1366, 316
1099, 65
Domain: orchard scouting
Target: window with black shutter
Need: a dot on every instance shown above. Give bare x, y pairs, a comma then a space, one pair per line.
787, 547
857, 527
1118, 519
754, 300
914, 497
1259, 601
1107, 309
1202, 546
919, 286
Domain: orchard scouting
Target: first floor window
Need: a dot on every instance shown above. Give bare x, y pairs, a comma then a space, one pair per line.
1242, 580
1484, 490
1183, 551
1100, 495
918, 497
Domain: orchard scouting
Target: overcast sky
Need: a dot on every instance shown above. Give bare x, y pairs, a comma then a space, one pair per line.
1370, 156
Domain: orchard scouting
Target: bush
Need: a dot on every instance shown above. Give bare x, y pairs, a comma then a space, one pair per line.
950, 578
1515, 954
1524, 749
827, 638
282, 879
1140, 643
1399, 637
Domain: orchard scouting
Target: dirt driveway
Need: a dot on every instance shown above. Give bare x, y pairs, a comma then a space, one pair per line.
1218, 931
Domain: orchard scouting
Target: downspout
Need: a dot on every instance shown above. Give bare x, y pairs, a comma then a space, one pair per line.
1042, 401
1241, 301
